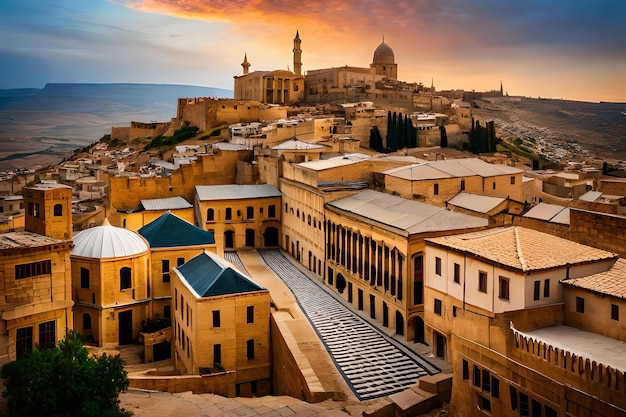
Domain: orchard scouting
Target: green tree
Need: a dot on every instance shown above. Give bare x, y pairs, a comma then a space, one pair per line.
65, 381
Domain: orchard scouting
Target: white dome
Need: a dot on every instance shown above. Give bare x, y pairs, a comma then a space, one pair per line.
108, 241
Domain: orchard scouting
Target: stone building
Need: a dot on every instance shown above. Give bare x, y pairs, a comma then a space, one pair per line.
221, 325
36, 303
110, 280
439, 181
150, 209
375, 254
527, 323
272, 87
240, 216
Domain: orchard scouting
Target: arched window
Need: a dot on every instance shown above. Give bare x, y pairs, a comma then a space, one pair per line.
86, 321
58, 210
125, 278
210, 215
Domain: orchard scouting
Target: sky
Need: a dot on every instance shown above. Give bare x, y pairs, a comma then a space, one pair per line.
571, 49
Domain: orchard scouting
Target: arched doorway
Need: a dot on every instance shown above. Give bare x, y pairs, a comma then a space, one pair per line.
399, 323
270, 237
229, 239
419, 330
341, 283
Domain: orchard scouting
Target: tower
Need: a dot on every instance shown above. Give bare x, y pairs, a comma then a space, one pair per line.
245, 64
297, 55
384, 61
49, 210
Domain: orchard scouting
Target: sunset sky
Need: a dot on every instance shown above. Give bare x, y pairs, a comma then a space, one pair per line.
550, 48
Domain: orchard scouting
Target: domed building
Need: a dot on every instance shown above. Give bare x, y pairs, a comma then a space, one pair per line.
110, 270
384, 61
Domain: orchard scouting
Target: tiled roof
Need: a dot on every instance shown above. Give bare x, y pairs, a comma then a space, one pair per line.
209, 276
407, 215
171, 203
168, 231
523, 249
24, 239
611, 282
236, 192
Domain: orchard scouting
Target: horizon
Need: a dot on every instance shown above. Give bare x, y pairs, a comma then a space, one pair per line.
536, 50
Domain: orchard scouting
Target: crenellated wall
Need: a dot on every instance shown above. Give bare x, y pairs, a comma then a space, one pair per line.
584, 374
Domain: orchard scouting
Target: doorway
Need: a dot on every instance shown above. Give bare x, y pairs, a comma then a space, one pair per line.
125, 323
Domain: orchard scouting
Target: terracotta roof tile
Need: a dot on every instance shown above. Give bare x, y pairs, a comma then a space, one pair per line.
611, 282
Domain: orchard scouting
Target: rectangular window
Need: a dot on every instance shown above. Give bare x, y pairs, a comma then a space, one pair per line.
523, 405
495, 387
33, 269
465, 370
486, 381
614, 312
513, 395
546, 288
84, 278
512, 180
476, 376
250, 349
180, 261
229, 213
537, 408
503, 292
536, 290
438, 265
437, 307
271, 211
23, 342
217, 354
216, 318
482, 281
47, 335
484, 403
580, 305
550, 412
436, 190
250, 212
250, 314
165, 270
457, 273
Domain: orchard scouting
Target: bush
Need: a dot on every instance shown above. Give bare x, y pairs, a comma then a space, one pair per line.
65, 381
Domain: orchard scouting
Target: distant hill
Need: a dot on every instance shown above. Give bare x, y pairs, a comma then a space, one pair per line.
54, 120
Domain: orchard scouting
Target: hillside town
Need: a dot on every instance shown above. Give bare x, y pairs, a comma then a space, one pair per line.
329, 235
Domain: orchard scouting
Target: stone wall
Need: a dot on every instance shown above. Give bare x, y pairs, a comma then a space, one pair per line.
604, 231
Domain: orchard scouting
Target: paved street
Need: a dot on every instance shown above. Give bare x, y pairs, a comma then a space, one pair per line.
373, 364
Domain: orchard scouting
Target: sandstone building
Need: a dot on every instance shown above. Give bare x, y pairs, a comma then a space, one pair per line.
221, 324
513, 310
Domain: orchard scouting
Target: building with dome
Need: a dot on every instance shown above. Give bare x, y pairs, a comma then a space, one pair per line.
110, 276
272, 87
384, 62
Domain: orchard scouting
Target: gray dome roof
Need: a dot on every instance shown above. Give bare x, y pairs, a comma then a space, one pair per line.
383, 54
108, 241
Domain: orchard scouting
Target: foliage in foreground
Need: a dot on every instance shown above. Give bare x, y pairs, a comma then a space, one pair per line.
182, 134
65, 381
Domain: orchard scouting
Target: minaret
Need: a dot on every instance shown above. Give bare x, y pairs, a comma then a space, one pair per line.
297, 55
245, 64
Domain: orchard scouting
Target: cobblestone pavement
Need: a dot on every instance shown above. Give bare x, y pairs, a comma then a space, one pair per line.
373, 364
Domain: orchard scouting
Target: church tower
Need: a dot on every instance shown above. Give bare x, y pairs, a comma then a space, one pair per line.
297, 55
49, 210
245, 64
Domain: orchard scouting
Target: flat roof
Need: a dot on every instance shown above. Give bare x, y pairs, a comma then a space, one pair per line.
476, 202
322, 164
24, 239
449, 168
236, 192
593, 346
171, 203
409, 216
549, 212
